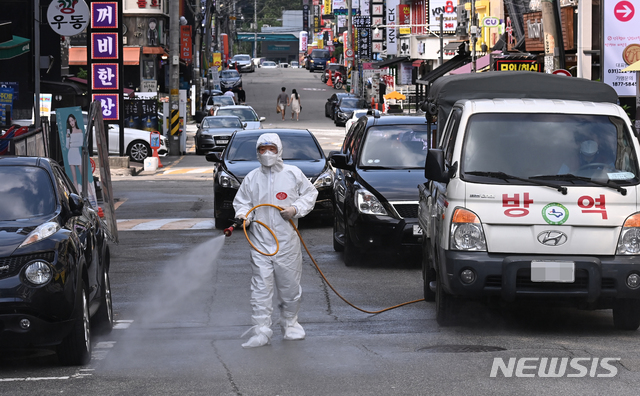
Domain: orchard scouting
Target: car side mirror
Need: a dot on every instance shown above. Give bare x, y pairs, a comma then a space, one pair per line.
339, 161
434, 168
213, 157
76, 204
198, 126
262, 118
244, 125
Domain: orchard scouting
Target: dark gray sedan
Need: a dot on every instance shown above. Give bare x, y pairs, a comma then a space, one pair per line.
215, 131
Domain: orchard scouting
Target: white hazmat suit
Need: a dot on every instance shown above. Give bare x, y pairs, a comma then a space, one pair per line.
277, 183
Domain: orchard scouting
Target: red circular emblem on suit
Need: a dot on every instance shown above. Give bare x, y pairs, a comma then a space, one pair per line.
281, 196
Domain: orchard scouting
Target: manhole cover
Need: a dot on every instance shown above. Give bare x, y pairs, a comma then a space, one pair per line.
460, 348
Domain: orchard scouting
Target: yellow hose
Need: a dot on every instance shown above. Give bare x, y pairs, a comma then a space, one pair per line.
312, 259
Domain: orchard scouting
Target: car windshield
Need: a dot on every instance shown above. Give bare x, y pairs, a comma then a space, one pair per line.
294, 147
25, 192
242, 58
395, 146
229, 74
221, 122
548, 145
245, 114
351, 102
319, 54
221, 100
269, 64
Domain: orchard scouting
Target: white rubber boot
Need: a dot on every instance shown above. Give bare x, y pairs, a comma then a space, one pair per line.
262, 337
292, 329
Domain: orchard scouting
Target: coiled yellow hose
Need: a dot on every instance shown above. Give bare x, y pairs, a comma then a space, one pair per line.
312, 259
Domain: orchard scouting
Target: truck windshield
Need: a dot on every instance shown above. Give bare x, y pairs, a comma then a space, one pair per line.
547, 145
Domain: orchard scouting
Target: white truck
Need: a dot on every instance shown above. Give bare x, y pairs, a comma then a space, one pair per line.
532, 194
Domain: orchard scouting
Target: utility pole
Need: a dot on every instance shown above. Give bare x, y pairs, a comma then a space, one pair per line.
174, 79
255, 31
196, 62
474, 35
551, 50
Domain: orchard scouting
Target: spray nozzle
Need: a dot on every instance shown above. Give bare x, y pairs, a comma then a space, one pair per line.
237, 222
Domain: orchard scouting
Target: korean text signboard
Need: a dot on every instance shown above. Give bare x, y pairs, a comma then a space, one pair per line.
363, 24
68, 17
621, 44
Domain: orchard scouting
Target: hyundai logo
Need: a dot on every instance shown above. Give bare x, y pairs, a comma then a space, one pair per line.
552, 238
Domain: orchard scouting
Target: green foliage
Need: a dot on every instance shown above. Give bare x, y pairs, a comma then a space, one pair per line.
82, 73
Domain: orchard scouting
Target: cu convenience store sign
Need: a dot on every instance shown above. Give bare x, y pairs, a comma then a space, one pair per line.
621, 39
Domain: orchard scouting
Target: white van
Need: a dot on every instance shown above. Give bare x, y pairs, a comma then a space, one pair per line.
532, 195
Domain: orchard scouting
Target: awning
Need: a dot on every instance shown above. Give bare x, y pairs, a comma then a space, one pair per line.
443, 69
417, 63
78, 56
14, 47
154, 51
481, 63
452, 46
390, 61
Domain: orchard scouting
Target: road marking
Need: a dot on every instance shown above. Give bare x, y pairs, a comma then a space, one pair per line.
187, 171
165, 224
314, 89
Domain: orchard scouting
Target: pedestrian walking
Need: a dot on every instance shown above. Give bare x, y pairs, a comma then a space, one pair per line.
296, 106
283, 100
242, 95
284, 185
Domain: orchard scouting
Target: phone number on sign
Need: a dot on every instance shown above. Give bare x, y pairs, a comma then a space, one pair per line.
624, 84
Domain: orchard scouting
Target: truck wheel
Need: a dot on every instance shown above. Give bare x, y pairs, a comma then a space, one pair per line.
444, 304
351, 254
626, 314
427, 274
75, 349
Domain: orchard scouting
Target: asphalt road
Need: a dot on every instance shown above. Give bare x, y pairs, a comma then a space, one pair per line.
181, 300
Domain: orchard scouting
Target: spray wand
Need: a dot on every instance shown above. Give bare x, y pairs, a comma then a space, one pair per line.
237, 222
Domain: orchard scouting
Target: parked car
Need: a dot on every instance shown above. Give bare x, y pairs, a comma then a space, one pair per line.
295, 65
333, 67
345, 108
215, 131
375, 193
218, 101
317, 59
300, 148
54, 262
269, 65
330, 105
230, 79
243, 63
247, 115
137, 142
354, 118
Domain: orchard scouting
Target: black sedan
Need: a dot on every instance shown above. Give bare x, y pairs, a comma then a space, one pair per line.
215, 131
330, 105
299, 148
378, 171
230, 79
345, 108
54, 262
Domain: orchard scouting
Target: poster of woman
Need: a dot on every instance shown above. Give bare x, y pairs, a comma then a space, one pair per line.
72, 139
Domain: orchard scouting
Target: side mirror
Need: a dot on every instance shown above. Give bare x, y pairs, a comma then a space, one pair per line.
340, 161
213, 157
76, 204
244, 124
198, 126
262, 118
434, 166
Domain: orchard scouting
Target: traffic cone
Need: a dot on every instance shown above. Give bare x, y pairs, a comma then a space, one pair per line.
100, 212
330, 80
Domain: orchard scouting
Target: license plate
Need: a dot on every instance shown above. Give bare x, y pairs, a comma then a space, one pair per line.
553, 271
417, 230
222, 141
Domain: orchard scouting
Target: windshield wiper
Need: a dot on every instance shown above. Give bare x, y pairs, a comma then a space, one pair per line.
569, 177
504, 176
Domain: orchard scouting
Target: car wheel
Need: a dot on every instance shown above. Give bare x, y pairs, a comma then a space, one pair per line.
75, 349
352, 255
444, 304
427, 272
337, 245
103, 319
138, 151
626, 314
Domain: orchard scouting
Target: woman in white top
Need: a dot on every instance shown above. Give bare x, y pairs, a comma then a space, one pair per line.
294, 102
74, 143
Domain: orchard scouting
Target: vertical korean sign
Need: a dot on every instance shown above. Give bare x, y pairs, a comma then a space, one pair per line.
105, 60
621, 39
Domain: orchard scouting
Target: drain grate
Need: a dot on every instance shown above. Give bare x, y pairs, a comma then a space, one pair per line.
460, 349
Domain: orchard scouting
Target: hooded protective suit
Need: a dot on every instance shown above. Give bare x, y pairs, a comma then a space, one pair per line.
285, 186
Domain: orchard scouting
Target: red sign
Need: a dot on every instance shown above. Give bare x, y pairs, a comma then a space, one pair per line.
404, 14
624, 11
185, 43
562, 72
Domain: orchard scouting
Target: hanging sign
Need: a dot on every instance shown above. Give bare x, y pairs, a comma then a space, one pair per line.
68, 17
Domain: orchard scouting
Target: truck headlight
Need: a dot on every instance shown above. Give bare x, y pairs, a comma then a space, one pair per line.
466, 232
629, 241
368, 203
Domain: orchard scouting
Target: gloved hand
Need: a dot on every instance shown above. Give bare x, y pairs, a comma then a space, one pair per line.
288, 213
246, 221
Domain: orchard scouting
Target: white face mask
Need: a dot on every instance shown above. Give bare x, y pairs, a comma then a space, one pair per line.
268, 158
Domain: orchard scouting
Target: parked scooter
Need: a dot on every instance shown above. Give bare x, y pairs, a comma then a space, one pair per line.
339, 80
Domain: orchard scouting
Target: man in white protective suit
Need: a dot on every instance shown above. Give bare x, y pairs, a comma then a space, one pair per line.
276, 183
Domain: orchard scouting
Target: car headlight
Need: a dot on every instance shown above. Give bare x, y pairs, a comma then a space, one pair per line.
43, 231
38, 272
629, 242
466, 232
227, 181
324, 180
368, 203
